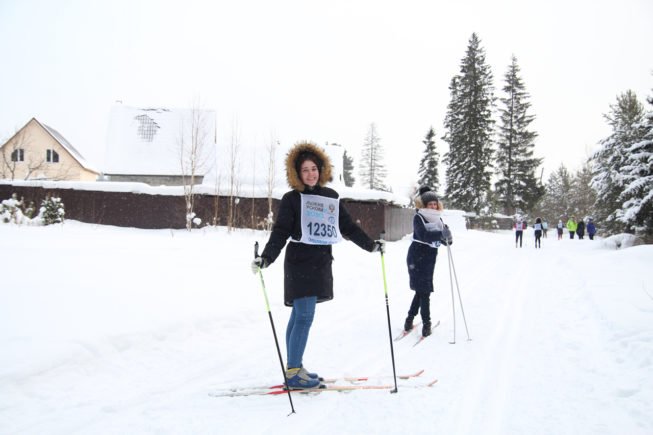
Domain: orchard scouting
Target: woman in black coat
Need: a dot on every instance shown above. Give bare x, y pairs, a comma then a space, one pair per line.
428, 233
313, 218
580, 229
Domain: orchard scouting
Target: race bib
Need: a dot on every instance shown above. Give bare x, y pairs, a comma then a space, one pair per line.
319, 220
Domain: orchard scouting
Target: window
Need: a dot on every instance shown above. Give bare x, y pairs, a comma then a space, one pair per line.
52, 156
146, 128
18, 155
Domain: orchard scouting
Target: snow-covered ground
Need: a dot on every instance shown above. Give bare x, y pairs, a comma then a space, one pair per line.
108, 330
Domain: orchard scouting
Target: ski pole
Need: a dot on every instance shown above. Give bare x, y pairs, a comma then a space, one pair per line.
460, 299
274, 332
387, 309
453, 300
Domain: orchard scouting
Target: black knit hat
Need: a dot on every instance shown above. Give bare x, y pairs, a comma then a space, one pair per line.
426, 195
307, 155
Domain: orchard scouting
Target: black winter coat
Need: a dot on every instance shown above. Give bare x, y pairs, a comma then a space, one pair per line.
421, 257
307, 268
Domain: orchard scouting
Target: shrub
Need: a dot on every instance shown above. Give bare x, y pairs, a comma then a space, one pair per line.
11, 210
52, 211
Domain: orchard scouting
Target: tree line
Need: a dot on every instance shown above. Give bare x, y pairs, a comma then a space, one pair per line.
491, 165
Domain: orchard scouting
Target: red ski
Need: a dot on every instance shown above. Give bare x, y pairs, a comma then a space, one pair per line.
324, 388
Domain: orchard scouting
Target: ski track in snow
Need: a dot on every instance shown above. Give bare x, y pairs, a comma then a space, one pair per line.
486, 392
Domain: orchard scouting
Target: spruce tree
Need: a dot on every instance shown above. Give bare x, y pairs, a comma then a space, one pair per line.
583, 197
348, 169
372, 169
52, 211
556, 203
637, 211
428, 166
611, 160
469, 125
517, 188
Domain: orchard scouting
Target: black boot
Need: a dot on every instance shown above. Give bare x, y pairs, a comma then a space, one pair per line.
426, 329
408, 324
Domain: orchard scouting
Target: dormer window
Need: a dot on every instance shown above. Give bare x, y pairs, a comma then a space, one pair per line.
18, 155
52, 156
146, 128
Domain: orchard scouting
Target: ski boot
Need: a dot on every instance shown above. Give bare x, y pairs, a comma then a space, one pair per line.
408, 324
296, 379
426, 329
311, 375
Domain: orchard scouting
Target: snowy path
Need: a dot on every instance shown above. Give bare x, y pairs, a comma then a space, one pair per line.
136, 339
543, 336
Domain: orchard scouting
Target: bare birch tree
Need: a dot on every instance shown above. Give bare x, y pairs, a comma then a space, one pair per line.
270, 178
234, 179
195, 154
216, 199
253, 198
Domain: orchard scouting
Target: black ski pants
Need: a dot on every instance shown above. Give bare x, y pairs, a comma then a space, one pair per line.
421, 303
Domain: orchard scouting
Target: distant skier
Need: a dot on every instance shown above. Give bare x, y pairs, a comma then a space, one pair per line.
571, 226
519, 227
580, 229
538, 232
560, 229
591, 229
545, 227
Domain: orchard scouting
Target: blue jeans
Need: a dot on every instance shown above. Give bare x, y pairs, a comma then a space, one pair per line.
299, 325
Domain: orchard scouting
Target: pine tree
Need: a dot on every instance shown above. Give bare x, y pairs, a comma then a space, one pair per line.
556, 203
468, 125
517, 188
610, 161
428, 166
372, 170
637, 209
348, 169
583, 197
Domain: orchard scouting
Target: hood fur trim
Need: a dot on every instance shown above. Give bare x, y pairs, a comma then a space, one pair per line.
293, 177
420, 205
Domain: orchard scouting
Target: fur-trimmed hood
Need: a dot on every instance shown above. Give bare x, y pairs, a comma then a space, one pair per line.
294, 180
419, 204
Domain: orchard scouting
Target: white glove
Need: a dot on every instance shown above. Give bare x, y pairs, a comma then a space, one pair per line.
259, 263
379, 246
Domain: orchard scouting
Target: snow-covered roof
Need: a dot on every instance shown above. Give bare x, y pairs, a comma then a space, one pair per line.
146, 141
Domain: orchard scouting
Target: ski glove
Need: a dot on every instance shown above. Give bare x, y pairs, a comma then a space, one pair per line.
379, 246
259, 263
447, 239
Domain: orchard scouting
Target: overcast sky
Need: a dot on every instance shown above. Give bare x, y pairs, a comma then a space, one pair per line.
320, 70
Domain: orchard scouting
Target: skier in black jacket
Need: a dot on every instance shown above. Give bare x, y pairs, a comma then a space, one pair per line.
428, 233
580, 229
313, 218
